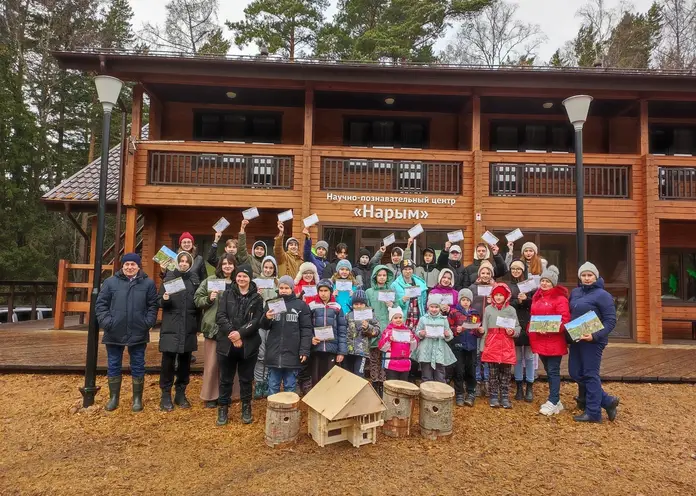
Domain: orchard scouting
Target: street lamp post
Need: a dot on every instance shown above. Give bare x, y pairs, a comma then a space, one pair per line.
108, 89
577, 108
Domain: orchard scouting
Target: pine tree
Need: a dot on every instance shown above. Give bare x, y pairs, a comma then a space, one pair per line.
558, 60
117, 28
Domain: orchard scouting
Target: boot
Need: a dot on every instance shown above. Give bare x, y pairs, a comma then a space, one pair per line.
166, 401
114, 393
210, 404
519, 395
259, 390
460, 400
493, 402
180, 399
611, 409
138, 385
586, 418
246, 412
222, 417
505, 402
529, 393
469, 399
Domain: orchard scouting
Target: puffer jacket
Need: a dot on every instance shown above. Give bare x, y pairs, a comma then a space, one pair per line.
496, 346
343, 298
399, 286
380, 308
242, 313
551, 302
330, 314
300, 283
244, 257
202, 300
397, 355
594, 297
357, 338
480, 302
434, 351
309, 256
467, 339
289, 334
179, 316
127, 310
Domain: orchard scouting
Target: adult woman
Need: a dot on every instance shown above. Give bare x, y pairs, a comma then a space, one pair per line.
586, 355
186, 244
207, 300
238, 341
533, 263
178, 333
551, 299
522, 302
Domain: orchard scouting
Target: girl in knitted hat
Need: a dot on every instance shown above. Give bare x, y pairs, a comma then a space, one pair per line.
187, 244
534, 264
344, 284
397, 343
269, 272
306, 282
522, 302
433, 353
328, 348
359, 333
481, 290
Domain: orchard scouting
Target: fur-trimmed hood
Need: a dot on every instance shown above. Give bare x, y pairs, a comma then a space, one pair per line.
307, 267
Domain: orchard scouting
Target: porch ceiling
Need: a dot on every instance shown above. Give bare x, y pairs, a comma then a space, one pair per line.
534, 106
261, 97
402, 102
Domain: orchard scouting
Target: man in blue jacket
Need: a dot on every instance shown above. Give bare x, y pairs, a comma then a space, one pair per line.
126, 309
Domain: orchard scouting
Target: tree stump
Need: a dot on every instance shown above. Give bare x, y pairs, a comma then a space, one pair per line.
400, 400
436, 400
282, 419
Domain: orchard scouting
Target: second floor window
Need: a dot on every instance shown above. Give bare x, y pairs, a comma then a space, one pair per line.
532, 137
672, 140
397, 133
247, 127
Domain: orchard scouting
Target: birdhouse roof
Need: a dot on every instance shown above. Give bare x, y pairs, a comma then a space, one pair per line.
341, 394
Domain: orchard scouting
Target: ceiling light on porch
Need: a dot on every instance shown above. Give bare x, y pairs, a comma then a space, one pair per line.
547, 105
389, 100
231, 94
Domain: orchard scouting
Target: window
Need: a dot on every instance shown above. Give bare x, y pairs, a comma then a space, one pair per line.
539, 137
398, 133
669, 140
248, 127
678, 274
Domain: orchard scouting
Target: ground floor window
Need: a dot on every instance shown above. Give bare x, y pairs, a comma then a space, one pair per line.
678, 274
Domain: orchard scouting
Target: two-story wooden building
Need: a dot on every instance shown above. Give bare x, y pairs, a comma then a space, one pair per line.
374, 149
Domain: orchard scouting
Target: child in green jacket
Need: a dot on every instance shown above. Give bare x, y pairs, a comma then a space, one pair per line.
433, 352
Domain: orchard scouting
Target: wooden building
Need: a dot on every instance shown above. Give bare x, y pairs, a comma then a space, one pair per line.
374, 149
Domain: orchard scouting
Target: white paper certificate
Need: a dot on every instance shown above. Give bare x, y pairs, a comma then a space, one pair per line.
401, 336
527, 286
484, 290
386, 296
504, 322
435, 331
389, 240
309, 290
285, 216
344, 286
413, 291
216, 285
324, 333
446, 299
264, 283
415, 231
489, 238
362, 314
174, 286
250, 213
311, 220
514, 236
221, 225
277, 305
455, 236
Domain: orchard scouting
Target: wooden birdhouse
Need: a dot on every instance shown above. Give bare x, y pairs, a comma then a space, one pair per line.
343, 407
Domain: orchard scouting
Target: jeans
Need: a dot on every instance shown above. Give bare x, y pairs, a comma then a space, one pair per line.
524, 368
482, 369
428, 373
583, 364
393, 375
464, 371
355, 364
235, 363
114, 359
183, 371
552, 365
287, 376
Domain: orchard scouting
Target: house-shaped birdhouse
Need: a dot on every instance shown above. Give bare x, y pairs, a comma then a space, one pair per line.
343, 407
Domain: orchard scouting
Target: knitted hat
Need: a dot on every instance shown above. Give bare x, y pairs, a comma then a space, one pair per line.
405, 263
325, 283
245, 269
501, 288
517, 264
530, 245
364, 252
291, 240
262, 245
132, 257
322, 244
395, 310
551, 273
485, 264
343, 264
288, 281
186, 235
588, 267
434, 299
455, 248
465, 293
359, 296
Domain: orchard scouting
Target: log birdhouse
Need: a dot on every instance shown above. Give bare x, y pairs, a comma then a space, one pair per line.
344, 407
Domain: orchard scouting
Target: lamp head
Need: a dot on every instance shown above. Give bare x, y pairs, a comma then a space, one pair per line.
577, 108
108, 89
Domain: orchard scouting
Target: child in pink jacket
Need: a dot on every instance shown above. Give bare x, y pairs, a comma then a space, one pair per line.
397, 343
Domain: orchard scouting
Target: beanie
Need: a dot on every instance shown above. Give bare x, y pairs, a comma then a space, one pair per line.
518, 264
485, 264
287, 280
465, 293
530, 245
291, 240
551, 273
364, 252
322, 244
359, 296
245, 269
343, 264
396, 310
588, 267
325, 283
132, 257
434, 299
186, 235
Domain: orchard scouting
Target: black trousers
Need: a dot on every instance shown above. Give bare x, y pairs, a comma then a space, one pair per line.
235, 363
355, 364
320, 364
393, 375
183, 371
464, 371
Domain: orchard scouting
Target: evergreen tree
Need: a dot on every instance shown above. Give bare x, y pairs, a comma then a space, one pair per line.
558, 60
117, 28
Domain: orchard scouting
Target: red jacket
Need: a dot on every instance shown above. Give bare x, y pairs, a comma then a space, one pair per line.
551, 302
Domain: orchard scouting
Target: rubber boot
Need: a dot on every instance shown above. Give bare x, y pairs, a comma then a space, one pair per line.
529, 392
180, 399
246, 412
166, 401
222, 417
138, 385
519, 395
114, 393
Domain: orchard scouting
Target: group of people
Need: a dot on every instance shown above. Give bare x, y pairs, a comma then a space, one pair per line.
284, 320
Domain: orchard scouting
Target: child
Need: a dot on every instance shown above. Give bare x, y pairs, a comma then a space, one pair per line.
326, 313
306, 276
412, 306
498, 344
445, 287
483, 284
231, 247
359, 334
341, 253
363, 269
289, 339
382, 279
289, 259
464, 345
397, 255
433, 353
269, 271
322, 249
428, 270
344, 273
258, 252
397, 352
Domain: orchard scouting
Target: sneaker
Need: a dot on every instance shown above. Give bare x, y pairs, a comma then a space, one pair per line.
470, 399
460, 400
550, 409
493, 402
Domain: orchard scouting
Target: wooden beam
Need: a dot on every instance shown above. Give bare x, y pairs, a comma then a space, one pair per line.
307, 151
93, 242
131, 228
476, 123
155, 120
150, 242
136, 126
58, 307
644, 137
76, 224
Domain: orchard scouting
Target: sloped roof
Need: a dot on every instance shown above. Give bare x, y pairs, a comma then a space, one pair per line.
83, 186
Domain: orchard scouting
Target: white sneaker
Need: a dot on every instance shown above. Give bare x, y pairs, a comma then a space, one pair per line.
549, 408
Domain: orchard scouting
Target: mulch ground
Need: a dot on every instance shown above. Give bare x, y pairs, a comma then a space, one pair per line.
50, 447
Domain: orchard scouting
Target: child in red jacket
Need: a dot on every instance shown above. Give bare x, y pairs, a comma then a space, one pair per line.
397, 343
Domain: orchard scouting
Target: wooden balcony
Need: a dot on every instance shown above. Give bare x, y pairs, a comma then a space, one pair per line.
677, 183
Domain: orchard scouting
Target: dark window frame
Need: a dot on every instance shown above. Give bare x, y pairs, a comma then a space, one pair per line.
666, 147
250, 133
682, 293
398, 123
522, 144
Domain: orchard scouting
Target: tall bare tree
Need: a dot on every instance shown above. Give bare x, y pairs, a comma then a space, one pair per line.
678, 47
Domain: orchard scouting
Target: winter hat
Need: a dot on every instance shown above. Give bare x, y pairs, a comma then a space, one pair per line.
325, 283
519, 264
485, 264
443, 272
501, 288
359, 296
245, 269
262, 245
428, 250
530, 245
456, 248
291, 240
132, 257
364, 252
287, 280
588, 267
434, 299
465, 293
322, 244
396, 310
186, 235
307, 267
269, 258
343, 264
551, 273
405, 263
398, 250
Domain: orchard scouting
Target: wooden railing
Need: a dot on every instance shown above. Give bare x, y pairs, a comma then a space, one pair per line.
220, 169
517, 179
64, 284
26, 293
677, 183
383, 175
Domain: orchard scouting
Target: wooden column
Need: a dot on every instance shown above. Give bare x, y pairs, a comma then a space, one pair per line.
150, 247
61, 293
136, 125
131, 228
306, 161
155, 119
477, 162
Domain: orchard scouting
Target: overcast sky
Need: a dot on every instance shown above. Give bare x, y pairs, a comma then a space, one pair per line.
556, 17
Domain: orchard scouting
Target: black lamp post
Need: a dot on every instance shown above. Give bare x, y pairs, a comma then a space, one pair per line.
108, 89
577, 108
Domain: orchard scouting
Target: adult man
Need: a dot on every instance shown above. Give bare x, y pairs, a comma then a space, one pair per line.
126, 309
451, 258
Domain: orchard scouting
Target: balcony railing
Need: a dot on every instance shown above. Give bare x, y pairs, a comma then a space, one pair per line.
677, 183
217, 169
601, 181
404, 176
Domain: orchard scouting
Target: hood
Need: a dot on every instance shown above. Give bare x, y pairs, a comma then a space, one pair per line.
439, 278
273, 260
193, 259
265, 250
390, 276
488, 254
599, 283
554, 292
508, 294
291, 239
304, 267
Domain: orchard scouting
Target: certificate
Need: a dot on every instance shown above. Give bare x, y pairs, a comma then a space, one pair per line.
216, 284
471, 325
309, 290
250, 213
484, 290
401, 336
174, 286
344, 286
514, 236
527, 286
446, 299
362, 314
277, 305
389, 240
413, 291
455, 236
221, 225
324, 333
311, 220
505, 322
285, 216
264, 283
415, 231
434, 331
386, 296
545, 323
489, 238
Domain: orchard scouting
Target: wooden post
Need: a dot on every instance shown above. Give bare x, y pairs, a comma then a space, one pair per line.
10, 303
59, 301
477, 163
136, 125
307, 151
93, 242
155, 118
131, 230
475, 123
150, 243
34, 297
